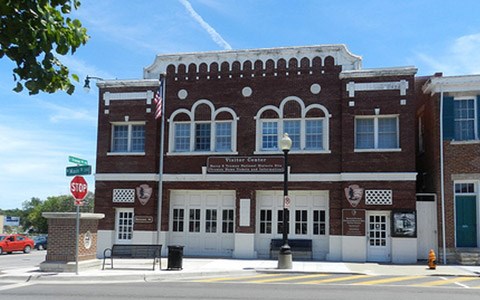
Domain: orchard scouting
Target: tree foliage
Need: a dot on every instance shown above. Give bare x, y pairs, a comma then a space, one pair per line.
32, 34
31, 219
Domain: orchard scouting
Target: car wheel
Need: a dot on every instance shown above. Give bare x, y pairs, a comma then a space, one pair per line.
40, 247
27, 249
1, 250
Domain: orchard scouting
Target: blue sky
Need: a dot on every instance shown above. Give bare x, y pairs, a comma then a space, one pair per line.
38, 133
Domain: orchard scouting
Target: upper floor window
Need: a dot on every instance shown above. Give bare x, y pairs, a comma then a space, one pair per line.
308, 129
128, 138
376, 132
464, 119
203, 129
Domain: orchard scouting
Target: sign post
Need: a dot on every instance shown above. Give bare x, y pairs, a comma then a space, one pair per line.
79, 190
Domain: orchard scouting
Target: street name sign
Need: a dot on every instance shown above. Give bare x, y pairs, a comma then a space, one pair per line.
78, 161
79, 170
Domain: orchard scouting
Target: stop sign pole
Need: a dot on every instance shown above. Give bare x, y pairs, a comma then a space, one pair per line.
79, 190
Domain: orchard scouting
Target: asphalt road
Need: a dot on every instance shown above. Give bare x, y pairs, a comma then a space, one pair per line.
21, 260
199, 291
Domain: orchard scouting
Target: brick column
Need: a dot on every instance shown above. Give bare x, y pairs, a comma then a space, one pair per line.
61, 241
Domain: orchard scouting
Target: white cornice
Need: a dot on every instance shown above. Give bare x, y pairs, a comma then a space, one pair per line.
324, 177
128, 83
397, 71
450, 84
339, 52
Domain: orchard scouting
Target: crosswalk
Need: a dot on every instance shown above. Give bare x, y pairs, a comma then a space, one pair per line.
345, 279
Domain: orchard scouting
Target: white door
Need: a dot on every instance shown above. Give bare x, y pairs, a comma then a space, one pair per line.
378, 236
426, 226
123, 225
203, 222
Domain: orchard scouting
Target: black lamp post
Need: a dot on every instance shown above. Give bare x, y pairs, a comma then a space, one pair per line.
285, 254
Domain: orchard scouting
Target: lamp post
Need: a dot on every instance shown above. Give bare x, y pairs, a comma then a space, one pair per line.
285, 254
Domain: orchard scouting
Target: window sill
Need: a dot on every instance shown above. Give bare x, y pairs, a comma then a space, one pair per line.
465, 142
293, 152
200, 153
125, 153
377, 150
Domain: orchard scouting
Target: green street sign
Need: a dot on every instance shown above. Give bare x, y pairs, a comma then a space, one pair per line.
79, 170
77, 161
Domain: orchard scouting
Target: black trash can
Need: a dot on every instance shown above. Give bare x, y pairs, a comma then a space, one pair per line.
175, 257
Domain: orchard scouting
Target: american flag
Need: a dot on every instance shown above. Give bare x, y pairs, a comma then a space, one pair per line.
158, 102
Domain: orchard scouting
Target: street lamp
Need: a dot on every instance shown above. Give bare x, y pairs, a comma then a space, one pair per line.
86, 86
285, 254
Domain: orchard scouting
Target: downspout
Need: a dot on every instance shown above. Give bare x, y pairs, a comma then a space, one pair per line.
442, 181
163, 79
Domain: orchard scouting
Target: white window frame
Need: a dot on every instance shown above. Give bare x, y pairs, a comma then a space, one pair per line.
280, 127
213, 127
475, 119
376, 134
129, 238
129, 138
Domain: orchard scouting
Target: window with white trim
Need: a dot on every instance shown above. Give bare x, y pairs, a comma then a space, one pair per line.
265, 221
128, 138
190, 136
227, 220
194, 220
178, 219
211, 220
308, 131
464, 119
319, 222
376, 132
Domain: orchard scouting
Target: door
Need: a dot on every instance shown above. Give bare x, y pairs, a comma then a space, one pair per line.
124, 225
466, 221
378, 236
427, 226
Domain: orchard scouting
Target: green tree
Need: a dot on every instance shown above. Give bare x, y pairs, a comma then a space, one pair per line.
32, 34
63, 203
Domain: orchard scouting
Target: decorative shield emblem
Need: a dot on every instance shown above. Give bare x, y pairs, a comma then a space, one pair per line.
144, 192
354, 194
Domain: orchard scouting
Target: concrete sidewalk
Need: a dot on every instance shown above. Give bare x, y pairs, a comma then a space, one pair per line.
141, 270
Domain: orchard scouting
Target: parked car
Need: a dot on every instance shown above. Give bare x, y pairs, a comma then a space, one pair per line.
40, 242
15, 242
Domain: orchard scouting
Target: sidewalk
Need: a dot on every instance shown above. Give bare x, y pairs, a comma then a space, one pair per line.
141, 270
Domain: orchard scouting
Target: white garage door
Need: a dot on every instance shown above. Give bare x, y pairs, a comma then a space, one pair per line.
308, 215
203, 222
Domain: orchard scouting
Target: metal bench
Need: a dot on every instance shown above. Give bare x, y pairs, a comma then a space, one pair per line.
138, 251
301, 248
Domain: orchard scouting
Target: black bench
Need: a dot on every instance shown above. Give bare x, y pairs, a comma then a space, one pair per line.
133, 251
301, 248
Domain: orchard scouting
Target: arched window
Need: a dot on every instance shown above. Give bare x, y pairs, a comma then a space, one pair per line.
308, 127
203, 129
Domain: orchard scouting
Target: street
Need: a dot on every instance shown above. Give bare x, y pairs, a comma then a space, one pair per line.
199, 291
21, 260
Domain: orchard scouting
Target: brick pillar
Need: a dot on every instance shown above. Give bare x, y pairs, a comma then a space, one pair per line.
61, 241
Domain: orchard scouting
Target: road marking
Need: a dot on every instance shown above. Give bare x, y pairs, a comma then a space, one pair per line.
14, 286
336, 279
218, 279
387, 280
296, 277
446, 281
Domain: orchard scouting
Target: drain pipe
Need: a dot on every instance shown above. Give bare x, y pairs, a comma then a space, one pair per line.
442, 179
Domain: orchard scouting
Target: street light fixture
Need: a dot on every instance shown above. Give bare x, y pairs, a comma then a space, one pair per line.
285, 254
86, 86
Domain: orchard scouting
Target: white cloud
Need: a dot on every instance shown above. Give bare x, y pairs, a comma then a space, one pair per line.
216, 37
462, 57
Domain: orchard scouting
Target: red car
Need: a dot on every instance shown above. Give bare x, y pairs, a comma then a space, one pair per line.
15, 242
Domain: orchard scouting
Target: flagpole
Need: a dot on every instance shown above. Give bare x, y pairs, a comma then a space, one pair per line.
160, 163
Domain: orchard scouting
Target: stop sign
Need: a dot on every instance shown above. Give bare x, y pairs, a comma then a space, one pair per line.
78, 188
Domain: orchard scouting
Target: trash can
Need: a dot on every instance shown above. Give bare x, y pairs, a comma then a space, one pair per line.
175, 257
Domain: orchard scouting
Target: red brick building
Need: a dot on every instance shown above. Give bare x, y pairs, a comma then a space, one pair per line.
351, 170
448, 118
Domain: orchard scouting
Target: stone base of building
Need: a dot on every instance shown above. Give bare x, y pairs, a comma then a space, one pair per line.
70, 267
